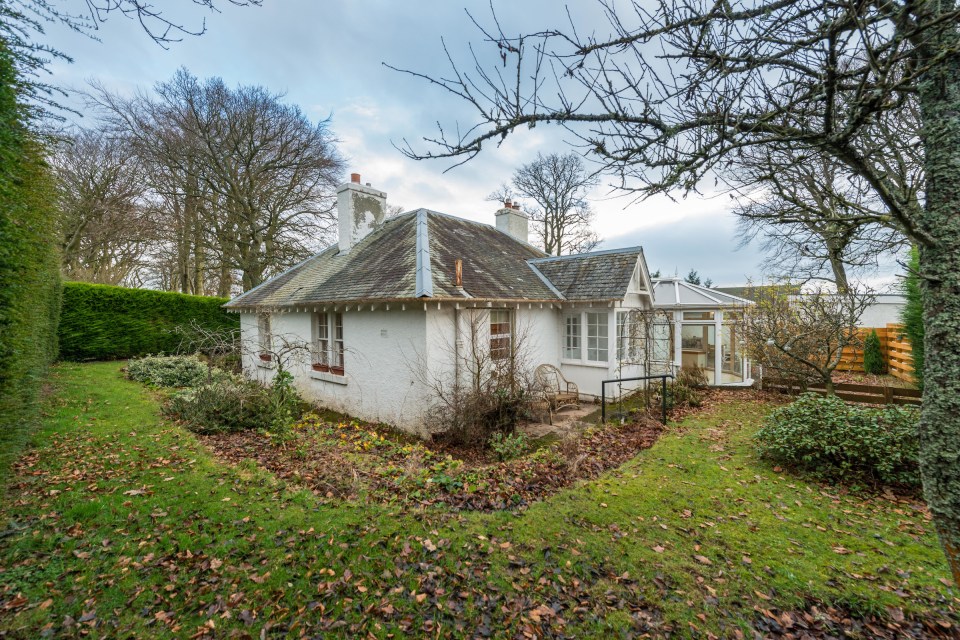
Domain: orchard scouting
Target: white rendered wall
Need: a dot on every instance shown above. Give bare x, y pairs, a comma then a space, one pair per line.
381, 350
392, 357
534, 332
885, 310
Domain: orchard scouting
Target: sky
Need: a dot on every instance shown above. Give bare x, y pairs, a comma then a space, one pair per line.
328, 58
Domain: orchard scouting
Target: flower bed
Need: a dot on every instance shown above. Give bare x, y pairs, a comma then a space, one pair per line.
351, 460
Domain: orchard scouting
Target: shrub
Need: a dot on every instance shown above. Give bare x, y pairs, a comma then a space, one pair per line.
873, 361
471, 417
507, 446
685, 390
102, 322
29, 266
835, 441
234, 404
173, 371
912, 315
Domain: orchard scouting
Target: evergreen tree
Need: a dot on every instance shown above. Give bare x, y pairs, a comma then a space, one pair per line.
873, 362
912, 315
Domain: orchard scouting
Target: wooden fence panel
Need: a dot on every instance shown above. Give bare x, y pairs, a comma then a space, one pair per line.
894, 347
862, 393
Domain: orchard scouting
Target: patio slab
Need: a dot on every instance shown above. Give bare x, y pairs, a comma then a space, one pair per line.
566, 422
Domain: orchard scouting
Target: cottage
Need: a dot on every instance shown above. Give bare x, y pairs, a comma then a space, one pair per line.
397, 301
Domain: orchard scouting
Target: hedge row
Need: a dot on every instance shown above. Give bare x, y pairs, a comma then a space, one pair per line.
101, 322
29, 268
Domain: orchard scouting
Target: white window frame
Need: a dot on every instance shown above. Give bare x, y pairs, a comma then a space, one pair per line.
501, 317
584, 357
264, 337
327, 343
570, 352
605, 325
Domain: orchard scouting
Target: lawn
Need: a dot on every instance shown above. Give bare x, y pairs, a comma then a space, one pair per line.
117, 524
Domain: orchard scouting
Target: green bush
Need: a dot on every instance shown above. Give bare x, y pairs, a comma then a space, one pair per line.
873, 361
835, 441
173, 371
29, 267
912, 315
235, 404
508, 446
101, 322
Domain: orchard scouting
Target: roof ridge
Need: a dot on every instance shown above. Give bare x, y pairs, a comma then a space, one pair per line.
588, 254
483, 224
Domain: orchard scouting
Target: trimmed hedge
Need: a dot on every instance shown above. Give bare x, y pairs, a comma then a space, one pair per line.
102, 322
29, 267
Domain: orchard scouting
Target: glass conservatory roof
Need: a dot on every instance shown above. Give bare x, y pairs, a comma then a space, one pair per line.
676, 292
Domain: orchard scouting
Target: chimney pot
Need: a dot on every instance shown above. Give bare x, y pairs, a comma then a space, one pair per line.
506, 203
355, 177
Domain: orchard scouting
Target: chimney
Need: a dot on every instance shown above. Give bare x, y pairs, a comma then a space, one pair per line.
360, 209
513, 222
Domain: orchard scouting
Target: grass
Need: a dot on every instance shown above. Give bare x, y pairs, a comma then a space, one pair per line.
118, 524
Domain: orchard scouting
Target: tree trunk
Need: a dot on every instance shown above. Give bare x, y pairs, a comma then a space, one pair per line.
939, 93
839, 269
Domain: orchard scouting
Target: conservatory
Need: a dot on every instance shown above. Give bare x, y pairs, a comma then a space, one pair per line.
699, 327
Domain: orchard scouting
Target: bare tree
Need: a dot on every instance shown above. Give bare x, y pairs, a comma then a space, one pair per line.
677, 92
105, 227
802, 336
814, 217
246, 181
557, 184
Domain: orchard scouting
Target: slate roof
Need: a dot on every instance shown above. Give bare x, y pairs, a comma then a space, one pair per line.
413, 256
591, 276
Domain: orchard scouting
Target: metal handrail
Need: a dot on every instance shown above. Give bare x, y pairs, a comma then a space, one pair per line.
663, 394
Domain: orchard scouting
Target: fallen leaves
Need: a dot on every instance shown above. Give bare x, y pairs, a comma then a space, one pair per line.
326, 458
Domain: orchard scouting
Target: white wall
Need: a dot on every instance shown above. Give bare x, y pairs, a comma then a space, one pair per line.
380, 360
392, 356
885, 310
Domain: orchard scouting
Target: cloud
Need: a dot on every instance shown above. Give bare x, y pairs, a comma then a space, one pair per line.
704, 241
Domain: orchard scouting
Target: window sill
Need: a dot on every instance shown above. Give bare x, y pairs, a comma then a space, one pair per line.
585, 363
328, 377
266, 364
